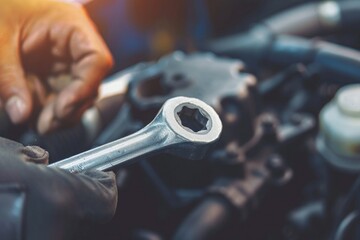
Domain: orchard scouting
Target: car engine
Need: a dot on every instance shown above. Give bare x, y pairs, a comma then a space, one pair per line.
288, 160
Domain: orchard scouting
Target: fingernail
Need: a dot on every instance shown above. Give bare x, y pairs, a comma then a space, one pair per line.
16, 108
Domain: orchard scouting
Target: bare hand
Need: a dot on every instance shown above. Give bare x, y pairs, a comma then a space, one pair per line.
51, 62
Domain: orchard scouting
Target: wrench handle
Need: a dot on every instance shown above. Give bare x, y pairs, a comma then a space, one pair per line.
104, 157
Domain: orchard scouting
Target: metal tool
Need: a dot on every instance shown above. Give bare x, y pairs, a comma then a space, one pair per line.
184, 127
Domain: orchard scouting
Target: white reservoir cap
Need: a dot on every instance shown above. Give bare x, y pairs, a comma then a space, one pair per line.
340, 128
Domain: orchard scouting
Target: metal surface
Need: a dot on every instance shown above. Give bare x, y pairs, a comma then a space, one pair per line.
184, 127
223, 83
201, 75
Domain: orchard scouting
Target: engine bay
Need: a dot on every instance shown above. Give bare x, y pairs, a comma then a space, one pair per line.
287, 163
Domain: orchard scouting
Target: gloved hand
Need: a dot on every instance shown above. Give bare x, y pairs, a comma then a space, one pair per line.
51, 62
41, 203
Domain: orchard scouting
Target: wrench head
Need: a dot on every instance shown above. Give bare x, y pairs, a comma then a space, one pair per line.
195, 125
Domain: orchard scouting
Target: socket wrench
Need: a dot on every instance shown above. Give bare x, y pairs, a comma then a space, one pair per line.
184, 127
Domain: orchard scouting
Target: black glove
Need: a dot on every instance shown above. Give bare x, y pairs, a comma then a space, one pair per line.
41, 203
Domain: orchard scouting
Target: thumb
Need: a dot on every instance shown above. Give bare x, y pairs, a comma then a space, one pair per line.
14, 93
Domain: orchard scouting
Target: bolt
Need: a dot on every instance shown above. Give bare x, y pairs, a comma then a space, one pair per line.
269, 124
276, 166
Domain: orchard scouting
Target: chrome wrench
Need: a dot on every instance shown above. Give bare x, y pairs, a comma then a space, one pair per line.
183, 127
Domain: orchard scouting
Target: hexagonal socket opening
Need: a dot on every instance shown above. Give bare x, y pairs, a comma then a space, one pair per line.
193, 119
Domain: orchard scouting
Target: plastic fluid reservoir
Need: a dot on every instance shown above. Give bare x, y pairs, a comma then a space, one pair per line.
339, 138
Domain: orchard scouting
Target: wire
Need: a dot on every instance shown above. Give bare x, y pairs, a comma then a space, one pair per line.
350, 198
346, 224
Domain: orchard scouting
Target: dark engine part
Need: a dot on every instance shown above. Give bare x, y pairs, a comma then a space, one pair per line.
222, 83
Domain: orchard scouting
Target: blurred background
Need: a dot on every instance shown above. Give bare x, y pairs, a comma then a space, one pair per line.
139, 30
287, 164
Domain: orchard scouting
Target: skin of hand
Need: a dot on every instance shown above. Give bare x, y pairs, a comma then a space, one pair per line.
52, 61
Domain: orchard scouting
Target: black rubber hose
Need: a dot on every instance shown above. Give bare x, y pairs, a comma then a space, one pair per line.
350, 17
304, 20
333, 61
207, 221
276, 41
301, 21
260, 48
250, 47
314, 19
